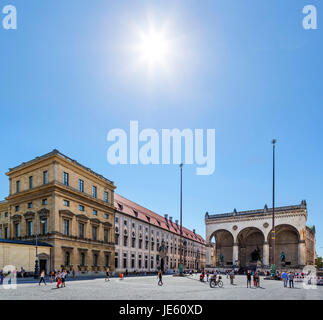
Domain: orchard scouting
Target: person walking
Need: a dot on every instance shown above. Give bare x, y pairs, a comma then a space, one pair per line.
160, 278
291, 280
248, 279
58, 278
107, 274
42, 277
64, 275
231, 277
207, 276
285, 278
73, 273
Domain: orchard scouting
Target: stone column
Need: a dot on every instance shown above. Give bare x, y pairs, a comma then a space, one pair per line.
301, 253
208, 248
265, 254
235, 253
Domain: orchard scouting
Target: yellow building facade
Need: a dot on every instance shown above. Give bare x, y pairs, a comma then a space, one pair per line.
68, 205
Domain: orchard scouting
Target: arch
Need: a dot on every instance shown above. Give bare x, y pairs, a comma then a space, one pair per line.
250, 241
287, 241
222, 248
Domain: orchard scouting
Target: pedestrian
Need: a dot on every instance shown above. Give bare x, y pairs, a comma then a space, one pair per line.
42, 277
207, 276
22, 272
248, 279
160, 278
58, 279
285, 278
291, 280
73, 273
231, 277
107, 273
63, 277
255, 279
1, 277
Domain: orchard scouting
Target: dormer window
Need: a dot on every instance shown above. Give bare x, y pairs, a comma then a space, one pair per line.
120, 206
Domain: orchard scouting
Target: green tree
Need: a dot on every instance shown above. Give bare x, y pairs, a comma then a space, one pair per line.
319, 262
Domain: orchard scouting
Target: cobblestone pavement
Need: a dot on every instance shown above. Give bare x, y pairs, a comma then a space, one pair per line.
146, 288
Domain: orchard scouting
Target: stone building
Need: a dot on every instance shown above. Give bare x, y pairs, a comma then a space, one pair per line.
146, 241
243, 239
68, 205
84, 225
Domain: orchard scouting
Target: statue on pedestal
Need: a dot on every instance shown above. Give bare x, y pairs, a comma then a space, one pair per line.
221, 258
255, 255
283, 258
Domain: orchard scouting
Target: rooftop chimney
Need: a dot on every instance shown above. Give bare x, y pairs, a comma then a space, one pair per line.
166, 216
171, 219
193, 230
176, 221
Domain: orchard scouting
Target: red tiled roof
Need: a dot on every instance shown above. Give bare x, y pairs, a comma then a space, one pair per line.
137, 211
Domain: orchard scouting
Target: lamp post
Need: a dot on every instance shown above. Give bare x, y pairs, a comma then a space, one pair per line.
36, 272
273, 238
181, 223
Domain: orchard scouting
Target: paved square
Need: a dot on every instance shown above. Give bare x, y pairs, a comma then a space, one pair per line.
146, 288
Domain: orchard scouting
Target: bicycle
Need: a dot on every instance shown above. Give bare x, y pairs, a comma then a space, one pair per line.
214, 282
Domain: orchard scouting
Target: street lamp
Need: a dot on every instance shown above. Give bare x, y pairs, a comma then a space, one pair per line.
273, 238
36, 273
181, 223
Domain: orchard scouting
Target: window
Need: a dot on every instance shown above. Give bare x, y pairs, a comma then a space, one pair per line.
139, 261
95, 260
6, 214
94, 233
132, 261
146, 245
152, 262
44, 202
116, 260
30, 228
18, 186
45, 177
140, 243
106, 196
82, 262
106, 216
17, 208
94, 191
30, 205
66, 203
116, 239
116, 219
106, 236
146, 262
133, 242
44, 226
125, 222
81, 185
125, 260
81, 208
67, 258
30, 182
66, 227
133, 225
17, 227
95, 213
66, 178
125, 241
107, 260
81, 230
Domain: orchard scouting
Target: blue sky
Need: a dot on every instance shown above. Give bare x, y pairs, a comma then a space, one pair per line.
248, 69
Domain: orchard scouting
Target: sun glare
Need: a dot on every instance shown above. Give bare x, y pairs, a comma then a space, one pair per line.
154, 49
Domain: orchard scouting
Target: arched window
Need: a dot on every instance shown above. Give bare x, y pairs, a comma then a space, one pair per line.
82, 262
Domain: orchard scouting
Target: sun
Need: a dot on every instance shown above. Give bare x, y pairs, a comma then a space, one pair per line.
154, 48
